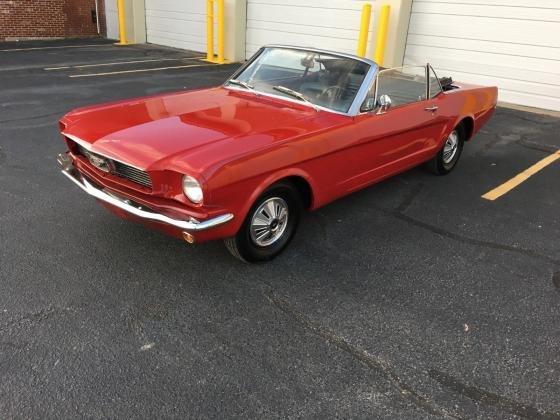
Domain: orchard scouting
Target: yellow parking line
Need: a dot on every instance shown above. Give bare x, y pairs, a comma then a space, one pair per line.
521, 177
115, 63
139, 70
51, 48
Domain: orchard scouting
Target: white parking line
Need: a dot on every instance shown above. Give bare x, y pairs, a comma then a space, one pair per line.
115, 63
60, 46
139, 70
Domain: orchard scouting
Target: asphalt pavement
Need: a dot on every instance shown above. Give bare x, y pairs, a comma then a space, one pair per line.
414, 298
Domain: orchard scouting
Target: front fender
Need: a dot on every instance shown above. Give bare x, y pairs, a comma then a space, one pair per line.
273, 178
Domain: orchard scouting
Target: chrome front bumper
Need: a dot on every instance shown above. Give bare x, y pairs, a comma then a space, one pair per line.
191, 225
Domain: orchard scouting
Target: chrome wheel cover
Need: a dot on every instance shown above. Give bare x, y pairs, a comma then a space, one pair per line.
450, 148
269, 221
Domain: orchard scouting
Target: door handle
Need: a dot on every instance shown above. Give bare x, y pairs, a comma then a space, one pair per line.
431, 108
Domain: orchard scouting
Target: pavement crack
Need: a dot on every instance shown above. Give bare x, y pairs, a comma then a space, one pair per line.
362, 355
489, 398
543, 120
522, 141
410, 197
37, 316
495, 139
471, 241
533, 145
556, 279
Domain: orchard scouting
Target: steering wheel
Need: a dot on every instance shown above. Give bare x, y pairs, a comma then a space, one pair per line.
332, 93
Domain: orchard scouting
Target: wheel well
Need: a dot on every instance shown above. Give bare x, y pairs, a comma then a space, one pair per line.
468, 123
303, 187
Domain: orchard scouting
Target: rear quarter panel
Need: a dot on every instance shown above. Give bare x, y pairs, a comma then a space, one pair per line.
471, 101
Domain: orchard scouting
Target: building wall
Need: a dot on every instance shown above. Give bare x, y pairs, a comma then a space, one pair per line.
20, 19
333, 24
512, 44
177, 23
182, 24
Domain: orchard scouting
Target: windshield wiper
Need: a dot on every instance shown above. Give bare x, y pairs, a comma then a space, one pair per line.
292, 92
241, 83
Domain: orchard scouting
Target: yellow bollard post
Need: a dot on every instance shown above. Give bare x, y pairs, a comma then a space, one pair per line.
210, 30
220, 59
382, 34
122, 28
364, 30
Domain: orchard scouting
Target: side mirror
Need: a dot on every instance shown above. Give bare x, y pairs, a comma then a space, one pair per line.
368, 105
385, 103
308, 61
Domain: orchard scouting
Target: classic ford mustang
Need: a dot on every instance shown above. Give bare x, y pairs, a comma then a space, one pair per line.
292, 129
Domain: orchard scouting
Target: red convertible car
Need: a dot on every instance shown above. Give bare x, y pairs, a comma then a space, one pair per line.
292, 129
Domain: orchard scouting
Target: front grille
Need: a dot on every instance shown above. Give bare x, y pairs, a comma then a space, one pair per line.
132, 174
120, 169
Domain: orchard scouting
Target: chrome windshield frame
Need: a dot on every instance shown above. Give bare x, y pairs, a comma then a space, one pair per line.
358, 99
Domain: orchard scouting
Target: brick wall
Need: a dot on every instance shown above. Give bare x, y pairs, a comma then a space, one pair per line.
49, 18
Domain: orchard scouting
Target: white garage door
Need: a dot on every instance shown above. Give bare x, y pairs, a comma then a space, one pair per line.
514, 45
177, 23
332, 24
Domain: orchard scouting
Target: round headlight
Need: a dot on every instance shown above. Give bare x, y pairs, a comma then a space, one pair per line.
192, 189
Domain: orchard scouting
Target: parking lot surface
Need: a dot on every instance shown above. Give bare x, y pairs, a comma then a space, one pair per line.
414, 298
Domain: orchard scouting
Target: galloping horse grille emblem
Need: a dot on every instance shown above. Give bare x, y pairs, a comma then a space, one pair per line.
100, 163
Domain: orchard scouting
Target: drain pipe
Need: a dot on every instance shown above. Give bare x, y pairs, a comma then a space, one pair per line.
97, 16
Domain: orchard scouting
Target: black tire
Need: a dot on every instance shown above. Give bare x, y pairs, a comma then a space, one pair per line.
440, 164
245, 246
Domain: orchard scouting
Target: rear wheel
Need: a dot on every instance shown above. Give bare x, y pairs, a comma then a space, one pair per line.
449, 154
269, 226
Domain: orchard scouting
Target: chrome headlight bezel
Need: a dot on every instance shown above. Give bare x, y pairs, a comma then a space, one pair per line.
192, 189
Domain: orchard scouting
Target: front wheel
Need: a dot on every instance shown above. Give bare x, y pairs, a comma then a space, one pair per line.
269, 226
449, 154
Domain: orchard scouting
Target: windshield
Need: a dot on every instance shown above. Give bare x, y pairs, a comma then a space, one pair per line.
321, 79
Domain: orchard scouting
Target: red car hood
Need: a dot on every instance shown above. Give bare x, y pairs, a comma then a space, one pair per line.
153, 132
